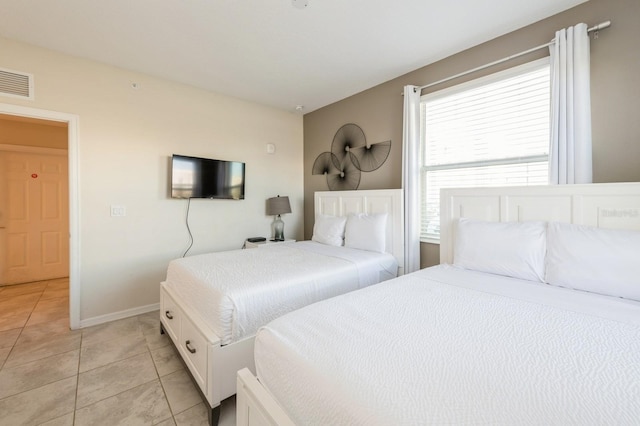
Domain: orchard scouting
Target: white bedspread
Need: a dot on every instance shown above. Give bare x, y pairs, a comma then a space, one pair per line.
448, 346
236, 292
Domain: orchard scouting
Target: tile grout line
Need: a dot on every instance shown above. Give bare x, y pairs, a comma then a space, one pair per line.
13, 346
126, 390
42, 385
164, 392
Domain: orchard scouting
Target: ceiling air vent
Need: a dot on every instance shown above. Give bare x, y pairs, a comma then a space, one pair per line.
16, 84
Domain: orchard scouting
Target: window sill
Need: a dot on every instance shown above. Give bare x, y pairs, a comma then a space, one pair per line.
430, 240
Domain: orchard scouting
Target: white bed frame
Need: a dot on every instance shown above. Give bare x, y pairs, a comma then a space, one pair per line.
603, 205
610, 205
390, 201
214, 366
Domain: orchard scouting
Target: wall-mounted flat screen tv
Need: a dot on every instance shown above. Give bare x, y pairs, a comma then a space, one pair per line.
193, 177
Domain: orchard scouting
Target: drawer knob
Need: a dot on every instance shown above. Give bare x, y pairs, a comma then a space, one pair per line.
189, 348
168, 315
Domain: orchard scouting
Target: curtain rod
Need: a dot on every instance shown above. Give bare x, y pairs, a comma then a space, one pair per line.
598, 27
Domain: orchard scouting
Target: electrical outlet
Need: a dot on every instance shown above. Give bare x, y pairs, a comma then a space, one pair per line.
118, 211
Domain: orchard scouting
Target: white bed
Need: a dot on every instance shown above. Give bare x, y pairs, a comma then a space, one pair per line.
448, 345
212, 304
274, 281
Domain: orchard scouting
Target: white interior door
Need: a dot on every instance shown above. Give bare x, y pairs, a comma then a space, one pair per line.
37, 223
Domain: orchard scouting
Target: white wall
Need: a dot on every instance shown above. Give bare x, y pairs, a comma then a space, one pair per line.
126, 137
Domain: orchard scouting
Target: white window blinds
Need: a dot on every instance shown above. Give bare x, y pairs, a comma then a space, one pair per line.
493, 131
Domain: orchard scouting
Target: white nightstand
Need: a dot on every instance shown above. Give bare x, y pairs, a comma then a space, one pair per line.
267, 243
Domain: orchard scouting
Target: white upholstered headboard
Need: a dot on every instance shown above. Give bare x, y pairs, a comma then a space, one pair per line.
390, 201
603, 205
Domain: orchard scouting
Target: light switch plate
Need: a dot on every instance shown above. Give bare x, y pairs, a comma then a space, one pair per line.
271, 148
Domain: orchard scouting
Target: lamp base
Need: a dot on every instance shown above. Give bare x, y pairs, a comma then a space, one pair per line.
278, 229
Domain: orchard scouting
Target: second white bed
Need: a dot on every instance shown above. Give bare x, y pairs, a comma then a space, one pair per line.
445, 345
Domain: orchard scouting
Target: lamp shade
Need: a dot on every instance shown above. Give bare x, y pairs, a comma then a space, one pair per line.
278, 205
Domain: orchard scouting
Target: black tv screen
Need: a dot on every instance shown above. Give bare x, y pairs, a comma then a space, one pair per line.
193, 177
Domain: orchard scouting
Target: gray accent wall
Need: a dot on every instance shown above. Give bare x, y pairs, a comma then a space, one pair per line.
615, 91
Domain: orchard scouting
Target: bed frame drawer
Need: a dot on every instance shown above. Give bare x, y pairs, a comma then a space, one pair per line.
194, 347
171, 316
186, 337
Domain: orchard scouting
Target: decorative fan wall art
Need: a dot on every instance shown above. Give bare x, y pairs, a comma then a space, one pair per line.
350, 156
341, 174
326, 163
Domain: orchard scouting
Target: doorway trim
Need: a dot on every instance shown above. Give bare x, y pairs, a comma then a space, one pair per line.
74, 196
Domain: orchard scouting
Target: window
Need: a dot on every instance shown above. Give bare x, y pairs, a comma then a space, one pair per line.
493, 131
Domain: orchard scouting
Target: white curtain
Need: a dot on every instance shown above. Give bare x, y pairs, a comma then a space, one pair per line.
411, 178
570, 152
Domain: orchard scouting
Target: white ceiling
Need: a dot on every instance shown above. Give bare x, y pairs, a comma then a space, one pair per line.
268, 51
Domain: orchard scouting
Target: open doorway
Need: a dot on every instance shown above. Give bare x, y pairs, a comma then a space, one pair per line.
48, 251
34, 200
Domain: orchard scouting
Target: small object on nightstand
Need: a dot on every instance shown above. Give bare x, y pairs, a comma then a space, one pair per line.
256, 239
250, 245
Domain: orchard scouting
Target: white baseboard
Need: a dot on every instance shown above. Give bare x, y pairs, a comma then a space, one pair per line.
119, 315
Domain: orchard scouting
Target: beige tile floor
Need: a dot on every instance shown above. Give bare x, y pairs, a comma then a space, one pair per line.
119, 373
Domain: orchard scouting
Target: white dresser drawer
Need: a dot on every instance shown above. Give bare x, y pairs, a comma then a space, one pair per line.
194, 347
171, 316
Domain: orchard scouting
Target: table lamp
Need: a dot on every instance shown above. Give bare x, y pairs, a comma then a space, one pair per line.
277, 206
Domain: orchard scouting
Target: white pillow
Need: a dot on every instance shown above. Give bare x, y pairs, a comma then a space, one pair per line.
604, 261
513, 249
366, 232
329, 230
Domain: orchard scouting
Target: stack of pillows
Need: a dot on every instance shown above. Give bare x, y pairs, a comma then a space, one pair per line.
597, 260
359, 231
